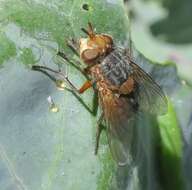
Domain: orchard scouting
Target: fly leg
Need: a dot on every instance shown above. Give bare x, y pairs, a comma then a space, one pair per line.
69, 85
76, 64
74, 46
64, 77
75, 91
100, 127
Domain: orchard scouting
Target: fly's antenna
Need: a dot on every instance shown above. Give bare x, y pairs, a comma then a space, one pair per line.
90, 28
90, 31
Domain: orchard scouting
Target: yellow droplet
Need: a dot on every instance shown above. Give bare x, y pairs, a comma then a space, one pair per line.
60, 84
53, 108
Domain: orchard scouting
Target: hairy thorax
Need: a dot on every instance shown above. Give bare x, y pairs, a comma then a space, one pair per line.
102, 85
112, 74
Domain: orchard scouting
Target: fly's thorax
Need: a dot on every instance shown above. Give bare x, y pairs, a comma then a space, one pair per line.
96, 73
116, 68
102, 84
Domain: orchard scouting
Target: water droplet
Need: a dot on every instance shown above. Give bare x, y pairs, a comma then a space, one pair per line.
53, 108
60, 84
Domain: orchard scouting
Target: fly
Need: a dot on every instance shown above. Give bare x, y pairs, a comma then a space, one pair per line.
124, 89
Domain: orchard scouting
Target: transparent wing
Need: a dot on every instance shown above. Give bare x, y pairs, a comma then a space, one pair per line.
120, 139
122, 112
150, 96
120, 119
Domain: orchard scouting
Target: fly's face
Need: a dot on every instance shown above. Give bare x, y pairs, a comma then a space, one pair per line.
94, 46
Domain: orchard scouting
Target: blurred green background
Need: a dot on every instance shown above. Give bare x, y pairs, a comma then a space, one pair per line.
162, 31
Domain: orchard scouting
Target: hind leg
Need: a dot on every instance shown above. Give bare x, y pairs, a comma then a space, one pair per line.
100, 127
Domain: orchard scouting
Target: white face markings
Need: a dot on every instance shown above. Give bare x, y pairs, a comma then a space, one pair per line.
83, 45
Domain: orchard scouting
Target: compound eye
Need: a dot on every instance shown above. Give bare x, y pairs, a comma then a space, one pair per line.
89, 54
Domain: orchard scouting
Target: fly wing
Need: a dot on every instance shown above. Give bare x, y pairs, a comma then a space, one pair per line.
120, 119
122, 111
150, 96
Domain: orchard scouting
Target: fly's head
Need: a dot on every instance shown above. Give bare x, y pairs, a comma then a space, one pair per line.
94, 46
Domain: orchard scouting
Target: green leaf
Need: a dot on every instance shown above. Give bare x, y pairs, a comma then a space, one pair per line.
27, 57
166, 30
43, 150
171, 150
7, 48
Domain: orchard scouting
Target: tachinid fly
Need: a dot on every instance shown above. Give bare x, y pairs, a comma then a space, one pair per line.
124, 89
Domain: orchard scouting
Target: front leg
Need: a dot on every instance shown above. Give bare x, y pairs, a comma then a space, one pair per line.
64, 80
75, 91
76, 64
74, 46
